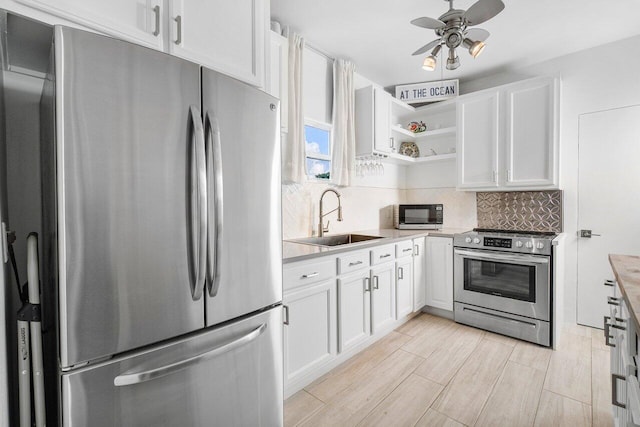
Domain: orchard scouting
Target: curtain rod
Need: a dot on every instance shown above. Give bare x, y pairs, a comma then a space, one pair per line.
318, 51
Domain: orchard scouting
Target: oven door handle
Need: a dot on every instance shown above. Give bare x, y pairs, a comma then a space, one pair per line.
504, 257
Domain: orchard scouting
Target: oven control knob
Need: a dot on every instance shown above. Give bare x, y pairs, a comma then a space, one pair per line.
529, 245
540, 245
476, 240
518, 244
467, 239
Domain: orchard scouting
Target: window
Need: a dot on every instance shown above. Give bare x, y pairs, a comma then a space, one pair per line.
317, 138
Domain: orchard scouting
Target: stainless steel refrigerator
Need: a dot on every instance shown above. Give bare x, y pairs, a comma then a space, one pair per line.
161, 240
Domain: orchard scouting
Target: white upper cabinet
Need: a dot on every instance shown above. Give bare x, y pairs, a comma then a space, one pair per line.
382, 140
227, 36
478, 141
508, 137
139, 21
530, 137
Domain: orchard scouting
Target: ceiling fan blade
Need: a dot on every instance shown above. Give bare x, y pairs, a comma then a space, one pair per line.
430, 23
427, 47
482, 11
477, 34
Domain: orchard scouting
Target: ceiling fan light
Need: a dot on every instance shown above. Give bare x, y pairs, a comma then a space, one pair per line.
453, 61
429, 63
476, 48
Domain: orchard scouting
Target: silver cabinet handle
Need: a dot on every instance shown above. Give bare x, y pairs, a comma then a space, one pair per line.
400, 273
614, 390
385, 256
406, 250
285, 309
310, 275
607, 335
178, 20
156, 12
495, 176
613, 301
351, 264
609, 283
375, 282
392, 143
417, 250
215, 202
509, 178
367, 284
154, 373
198, 205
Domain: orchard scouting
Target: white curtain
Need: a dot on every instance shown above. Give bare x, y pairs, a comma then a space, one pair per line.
293, 150
344, 133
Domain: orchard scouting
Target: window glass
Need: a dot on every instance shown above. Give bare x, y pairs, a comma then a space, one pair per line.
318, 150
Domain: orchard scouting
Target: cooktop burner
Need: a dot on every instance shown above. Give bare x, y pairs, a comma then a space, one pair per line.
521, 232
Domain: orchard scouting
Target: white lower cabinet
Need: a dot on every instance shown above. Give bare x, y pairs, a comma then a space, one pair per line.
404, 287
439, 292
335, 306
310, 328
419, 274
354, 309
383, 301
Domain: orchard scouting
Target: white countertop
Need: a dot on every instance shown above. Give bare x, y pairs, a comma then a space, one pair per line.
292, 251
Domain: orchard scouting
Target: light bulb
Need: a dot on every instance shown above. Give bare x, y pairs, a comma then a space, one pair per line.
429, 63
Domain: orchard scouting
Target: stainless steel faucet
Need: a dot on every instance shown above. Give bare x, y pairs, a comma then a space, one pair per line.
321, 227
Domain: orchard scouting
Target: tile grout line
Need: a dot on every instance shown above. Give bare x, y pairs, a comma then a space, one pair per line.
535, 417
493, 387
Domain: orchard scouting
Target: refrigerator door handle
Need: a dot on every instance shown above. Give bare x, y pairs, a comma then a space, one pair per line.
198, 217
214, 182
162, 371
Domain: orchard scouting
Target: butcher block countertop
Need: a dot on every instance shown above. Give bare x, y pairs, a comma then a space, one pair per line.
626, 268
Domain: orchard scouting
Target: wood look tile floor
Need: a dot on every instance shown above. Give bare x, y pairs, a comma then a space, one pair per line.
434, 372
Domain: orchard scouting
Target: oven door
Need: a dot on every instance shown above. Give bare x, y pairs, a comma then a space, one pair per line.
507, 282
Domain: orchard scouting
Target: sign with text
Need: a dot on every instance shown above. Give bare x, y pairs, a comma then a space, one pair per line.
427, 91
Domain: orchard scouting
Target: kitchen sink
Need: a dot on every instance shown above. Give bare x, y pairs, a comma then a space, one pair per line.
336, 240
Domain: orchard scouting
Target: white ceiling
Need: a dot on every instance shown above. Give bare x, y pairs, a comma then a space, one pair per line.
377, 36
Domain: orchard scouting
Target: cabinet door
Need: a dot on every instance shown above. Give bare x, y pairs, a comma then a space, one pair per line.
531, 134
440, 272
419, 274
354, 309
138, 21
478, 141
226, 36
278, 79
383, 291
404, 287
310, 328
382, 140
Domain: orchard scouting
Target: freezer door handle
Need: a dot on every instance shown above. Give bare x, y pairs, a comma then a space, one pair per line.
215, 202
198, 204
162, 371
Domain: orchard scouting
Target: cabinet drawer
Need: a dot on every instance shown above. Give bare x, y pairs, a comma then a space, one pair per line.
353, 261
404, 249
307, 272
382, 254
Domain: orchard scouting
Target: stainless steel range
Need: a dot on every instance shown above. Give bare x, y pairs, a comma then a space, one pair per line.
502, 282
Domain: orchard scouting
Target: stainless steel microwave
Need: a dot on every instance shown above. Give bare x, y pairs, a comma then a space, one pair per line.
417, 217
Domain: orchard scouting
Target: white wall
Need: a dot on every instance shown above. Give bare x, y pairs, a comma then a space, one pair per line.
597, 79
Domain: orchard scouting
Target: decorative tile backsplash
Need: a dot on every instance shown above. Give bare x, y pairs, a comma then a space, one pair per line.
521, 210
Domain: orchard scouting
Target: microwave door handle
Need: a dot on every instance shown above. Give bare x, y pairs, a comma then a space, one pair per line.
519, 259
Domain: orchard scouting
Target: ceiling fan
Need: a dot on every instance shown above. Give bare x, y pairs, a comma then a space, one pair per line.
452, 31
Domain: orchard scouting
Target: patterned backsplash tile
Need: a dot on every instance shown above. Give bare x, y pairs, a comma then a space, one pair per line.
521, 210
